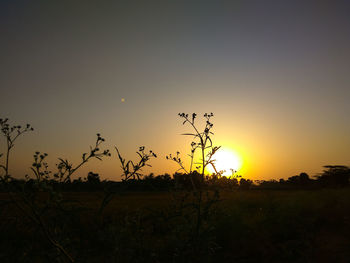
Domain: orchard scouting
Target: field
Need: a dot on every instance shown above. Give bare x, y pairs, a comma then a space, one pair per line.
233, 226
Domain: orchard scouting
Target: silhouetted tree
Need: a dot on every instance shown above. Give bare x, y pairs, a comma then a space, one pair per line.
304, 178
300, 181
93, 178
270, 184
245, 184
334, 175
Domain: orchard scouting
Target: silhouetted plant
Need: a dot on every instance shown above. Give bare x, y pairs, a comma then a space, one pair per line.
37, 166
33, 207
11, 134
65, 169
201, 141
132, 170
26, 196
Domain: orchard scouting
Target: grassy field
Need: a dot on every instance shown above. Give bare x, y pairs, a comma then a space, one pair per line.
240, 226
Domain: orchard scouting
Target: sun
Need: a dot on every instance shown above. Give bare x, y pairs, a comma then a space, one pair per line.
226, 160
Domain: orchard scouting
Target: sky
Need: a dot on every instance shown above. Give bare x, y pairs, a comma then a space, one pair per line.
275, 74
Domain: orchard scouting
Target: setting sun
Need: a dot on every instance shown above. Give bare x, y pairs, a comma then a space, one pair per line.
226, 160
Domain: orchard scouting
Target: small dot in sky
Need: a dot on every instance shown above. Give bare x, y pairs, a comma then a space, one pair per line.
122, 100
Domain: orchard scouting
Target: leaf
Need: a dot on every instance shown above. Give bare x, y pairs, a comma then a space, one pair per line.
120, 157
33, 170
211, 142
139, 155
127, 166
191, 134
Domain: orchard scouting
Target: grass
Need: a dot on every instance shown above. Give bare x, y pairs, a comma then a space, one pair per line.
246, 226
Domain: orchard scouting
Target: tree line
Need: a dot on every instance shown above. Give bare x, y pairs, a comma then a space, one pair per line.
333, 176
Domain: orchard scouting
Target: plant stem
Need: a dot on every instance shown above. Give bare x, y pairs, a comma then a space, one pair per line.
9, 146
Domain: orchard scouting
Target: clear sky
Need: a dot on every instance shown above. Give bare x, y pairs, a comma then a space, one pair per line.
276, 75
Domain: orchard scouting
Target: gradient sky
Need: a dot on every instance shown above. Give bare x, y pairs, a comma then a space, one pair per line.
276, 75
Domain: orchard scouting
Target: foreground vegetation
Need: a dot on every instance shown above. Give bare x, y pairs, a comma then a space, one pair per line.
54, 217
245, 226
